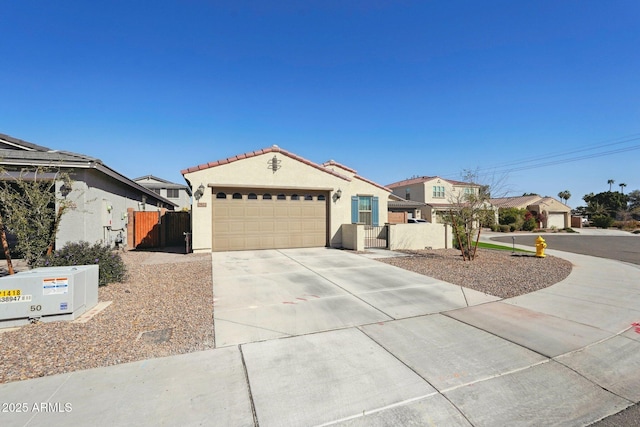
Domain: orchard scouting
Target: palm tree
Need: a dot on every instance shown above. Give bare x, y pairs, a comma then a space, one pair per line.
610, 182
564, 196
622, 185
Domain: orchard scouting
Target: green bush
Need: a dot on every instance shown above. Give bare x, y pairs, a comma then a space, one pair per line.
530, 224
603, 221
111, 266
505, 228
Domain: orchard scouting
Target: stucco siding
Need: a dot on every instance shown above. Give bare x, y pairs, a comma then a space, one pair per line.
93, 193
257, 172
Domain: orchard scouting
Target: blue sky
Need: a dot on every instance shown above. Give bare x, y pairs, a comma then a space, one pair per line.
536, 97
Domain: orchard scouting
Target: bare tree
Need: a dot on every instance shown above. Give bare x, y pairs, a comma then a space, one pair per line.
470, 210
28, 200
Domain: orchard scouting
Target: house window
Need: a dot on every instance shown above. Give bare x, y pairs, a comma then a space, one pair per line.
407, 194
173, 193
438, 191
237, 196
156, 190
364, 210
266, 196
308, 197
252, 196
295, 197
282, 197
321, 198
221, 196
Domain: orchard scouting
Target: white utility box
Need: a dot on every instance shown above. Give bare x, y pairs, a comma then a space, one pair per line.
48, 294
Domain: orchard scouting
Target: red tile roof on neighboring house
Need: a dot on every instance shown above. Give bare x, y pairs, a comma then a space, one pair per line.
276, 149
420, 179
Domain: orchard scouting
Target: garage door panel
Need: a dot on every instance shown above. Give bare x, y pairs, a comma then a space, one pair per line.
241, 224
252, 211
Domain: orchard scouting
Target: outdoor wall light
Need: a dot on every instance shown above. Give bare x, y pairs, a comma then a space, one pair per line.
339, 193
65, 190
199, 192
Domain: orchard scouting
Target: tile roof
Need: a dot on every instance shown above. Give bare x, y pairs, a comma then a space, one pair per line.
514, 202
420, 179
276, 149
334, 163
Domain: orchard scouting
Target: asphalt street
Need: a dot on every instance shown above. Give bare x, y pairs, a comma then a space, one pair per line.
621, 248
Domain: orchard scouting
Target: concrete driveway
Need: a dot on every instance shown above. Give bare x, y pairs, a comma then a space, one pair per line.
327, 337
260, 295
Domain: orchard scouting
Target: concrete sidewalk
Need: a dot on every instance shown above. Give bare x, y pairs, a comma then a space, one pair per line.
377, 346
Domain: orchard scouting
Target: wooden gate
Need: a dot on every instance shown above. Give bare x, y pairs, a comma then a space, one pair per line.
175, 225
146, 229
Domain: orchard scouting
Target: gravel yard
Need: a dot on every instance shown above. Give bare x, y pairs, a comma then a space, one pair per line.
166, 308
173, 301
495, 272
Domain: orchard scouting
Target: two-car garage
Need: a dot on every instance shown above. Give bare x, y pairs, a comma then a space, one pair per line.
274, 199
259, 218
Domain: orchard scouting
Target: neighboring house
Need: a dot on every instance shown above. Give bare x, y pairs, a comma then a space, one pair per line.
400, 210
179, 194
102, 196
438, 194
272, 198
554, 214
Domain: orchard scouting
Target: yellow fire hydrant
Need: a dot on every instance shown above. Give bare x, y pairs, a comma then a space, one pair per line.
540, 245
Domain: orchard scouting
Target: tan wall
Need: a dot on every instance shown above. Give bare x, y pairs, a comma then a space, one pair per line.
353, 237
254, 172
419, 236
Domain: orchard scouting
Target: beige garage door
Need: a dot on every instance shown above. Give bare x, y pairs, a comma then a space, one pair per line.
273, 219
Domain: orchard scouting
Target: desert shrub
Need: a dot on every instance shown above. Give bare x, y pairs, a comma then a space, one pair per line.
602, 221
505, 228
514, 227
627, 225
530, 224
511, 215
111, 266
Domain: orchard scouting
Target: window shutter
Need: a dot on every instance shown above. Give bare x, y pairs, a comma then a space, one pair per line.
374, 211
354, 209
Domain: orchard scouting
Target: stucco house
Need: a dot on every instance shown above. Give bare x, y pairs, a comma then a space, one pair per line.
179, 194
102, 196
554, 213
272, 198
438, 194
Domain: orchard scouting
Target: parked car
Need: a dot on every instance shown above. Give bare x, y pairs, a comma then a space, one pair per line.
416, 220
